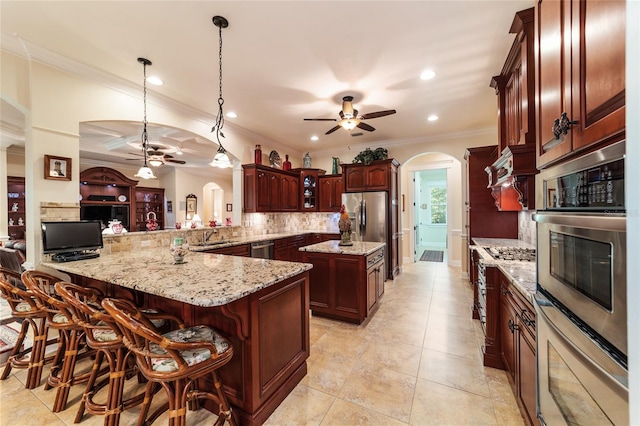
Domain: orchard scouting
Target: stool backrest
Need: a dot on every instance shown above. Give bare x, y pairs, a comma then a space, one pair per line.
42, 286
14, 291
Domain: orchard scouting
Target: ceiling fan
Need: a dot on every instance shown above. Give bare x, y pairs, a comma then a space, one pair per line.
157, 157
349, 118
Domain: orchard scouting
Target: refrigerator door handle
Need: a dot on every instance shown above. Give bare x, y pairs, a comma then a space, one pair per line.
363, 218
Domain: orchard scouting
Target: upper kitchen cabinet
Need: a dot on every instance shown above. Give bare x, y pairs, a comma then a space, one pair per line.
309, 193
149, 200
511, 176
515, 86
270, 190
330, 190
580, 83
376, 176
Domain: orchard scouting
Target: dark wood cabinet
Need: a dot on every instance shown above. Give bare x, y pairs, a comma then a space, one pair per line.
287, 248
149, 203
309, 194
376, 176
580, 83
270, 190
518, 344
330, 191
16, 205
345, 287
107, 194
483, 218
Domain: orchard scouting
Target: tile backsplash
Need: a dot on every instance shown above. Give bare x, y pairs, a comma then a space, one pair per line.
526, 227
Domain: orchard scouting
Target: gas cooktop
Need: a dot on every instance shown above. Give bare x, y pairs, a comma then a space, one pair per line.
512, 253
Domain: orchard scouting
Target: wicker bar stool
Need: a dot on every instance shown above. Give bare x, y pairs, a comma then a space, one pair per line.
23, 307
71, 342
175, 360
101, 335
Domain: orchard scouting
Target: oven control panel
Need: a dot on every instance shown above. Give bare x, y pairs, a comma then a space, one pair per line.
595, 188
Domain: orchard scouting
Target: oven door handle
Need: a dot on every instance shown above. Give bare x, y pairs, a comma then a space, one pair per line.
609, 222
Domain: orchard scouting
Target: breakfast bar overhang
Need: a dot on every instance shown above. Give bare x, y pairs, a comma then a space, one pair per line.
262, 306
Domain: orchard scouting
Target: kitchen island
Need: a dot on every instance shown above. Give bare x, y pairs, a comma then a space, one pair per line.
261, 306
346, 282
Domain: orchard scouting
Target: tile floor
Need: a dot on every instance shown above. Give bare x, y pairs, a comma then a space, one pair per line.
417, 361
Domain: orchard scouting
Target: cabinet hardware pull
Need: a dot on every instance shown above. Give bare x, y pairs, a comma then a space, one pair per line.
526, 320
504, 290
556, 128
565, 123
512, 326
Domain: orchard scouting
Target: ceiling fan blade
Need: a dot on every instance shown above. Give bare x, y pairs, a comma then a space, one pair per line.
333, 130
365, 126
134, 153
320, 119
168, 160
378, 114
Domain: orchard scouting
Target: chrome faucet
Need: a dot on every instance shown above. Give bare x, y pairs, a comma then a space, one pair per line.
207, 235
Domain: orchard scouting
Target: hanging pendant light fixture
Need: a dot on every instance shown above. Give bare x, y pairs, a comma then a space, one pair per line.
145, 172
221, 158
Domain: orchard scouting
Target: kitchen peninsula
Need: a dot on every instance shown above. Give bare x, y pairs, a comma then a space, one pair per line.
346, 282
262, 306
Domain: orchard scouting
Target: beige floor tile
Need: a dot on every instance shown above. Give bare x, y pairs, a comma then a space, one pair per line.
336, 341
462, 345
507, 414
22, 408
391, 332
328, 371
499, 386
380, 389
303, 406
346, 413
454, 371
451, 323
436, 404
400, 357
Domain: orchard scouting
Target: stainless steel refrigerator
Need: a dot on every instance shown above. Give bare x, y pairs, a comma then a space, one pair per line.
368, 213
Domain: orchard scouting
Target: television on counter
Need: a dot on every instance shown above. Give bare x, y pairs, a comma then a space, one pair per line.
72, 240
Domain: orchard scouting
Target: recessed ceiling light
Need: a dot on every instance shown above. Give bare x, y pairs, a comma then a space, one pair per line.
432, 117
232, 114
156, 81
314, 138
427, 75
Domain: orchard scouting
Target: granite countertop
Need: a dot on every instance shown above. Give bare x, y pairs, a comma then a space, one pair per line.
521, 274
203, 280
235, 241
359, 248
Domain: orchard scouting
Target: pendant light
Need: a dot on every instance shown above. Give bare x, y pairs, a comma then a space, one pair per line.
221, 158
145, 172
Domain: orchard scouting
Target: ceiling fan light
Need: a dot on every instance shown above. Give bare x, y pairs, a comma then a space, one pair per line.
156, 162
145, 173
349, 124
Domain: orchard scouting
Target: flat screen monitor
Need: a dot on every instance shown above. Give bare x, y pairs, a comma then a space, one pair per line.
70, 237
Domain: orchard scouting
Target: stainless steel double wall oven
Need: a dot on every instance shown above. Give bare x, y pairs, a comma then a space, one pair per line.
581, 301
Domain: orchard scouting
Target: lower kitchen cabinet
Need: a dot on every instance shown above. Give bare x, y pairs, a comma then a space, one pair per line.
287, 248
518, 343
345, 287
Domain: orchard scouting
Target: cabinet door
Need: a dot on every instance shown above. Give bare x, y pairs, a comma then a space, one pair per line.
349, 288
263, 184
508, 330
372, 291
326, 188
290, 187
553, 88
598, 71
527, 372
355, 178
338, 189
380, 278
378, 177
320, 282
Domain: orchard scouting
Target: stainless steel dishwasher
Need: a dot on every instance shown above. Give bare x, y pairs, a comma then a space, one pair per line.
263, 249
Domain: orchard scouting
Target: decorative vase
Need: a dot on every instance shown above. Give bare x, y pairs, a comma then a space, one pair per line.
258, 155
152, 222
306, 161
178, 250
116, 226
287, 164
335, 165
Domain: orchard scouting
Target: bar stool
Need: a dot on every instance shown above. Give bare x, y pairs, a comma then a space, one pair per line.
23, 307
175, 360
101, 335
71, 341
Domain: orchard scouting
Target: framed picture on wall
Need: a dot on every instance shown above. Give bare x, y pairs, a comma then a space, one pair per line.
57, 168
229, 207
192, 205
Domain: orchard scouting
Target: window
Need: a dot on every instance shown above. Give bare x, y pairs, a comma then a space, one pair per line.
438, 204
